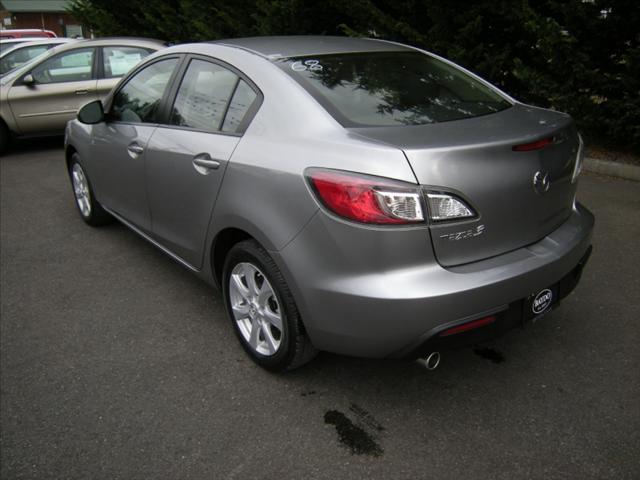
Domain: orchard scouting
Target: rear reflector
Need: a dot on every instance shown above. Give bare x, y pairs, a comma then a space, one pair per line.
468, 326
444, 206
538, 145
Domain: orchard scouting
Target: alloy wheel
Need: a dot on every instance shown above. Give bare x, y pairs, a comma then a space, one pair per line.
255, 308
81, 190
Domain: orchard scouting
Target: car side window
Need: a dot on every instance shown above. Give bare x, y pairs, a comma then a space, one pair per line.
242, 99
117, 60
203, 96
140, 97
71, 66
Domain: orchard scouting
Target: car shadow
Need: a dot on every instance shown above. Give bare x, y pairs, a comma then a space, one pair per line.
28, 145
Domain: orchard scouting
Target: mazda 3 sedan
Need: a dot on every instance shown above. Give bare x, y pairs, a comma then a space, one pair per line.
348, 195
41, 96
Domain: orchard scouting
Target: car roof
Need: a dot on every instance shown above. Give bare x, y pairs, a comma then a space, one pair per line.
23, 30
45, 41
133, 41
303, 45
19, 40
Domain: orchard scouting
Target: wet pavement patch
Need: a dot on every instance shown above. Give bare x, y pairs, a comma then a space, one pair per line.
352, 436
492, 354
365, 417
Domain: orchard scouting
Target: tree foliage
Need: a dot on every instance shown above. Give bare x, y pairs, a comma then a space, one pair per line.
579, 56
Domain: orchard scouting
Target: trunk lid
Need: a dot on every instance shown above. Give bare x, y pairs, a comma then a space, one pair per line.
474, 159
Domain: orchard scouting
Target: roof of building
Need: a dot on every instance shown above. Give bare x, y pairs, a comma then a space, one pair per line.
24, 6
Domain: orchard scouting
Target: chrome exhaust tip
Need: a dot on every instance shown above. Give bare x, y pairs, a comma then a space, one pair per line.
432, 361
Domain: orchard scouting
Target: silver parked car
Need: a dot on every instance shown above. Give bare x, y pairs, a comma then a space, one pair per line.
25, 52
9, 43
349, 195
40, 97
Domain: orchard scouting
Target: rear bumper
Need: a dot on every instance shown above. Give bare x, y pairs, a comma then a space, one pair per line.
379, 292
514, 315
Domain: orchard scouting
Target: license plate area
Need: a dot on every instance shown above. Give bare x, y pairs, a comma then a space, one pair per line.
538, 304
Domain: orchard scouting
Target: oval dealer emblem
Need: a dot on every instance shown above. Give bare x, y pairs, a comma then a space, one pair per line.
542, 301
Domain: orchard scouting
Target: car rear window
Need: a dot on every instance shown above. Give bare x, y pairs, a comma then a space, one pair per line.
392, 88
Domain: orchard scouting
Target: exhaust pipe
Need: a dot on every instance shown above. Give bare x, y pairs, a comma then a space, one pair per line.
432, 361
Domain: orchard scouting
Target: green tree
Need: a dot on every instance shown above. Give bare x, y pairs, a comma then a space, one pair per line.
579, 56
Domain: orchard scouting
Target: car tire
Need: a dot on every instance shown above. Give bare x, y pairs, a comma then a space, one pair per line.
5, 138
89, 208
255, 294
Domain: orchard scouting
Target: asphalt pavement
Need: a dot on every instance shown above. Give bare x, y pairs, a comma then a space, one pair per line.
117, 363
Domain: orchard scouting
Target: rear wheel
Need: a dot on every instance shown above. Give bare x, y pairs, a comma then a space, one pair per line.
90, 209
262, 309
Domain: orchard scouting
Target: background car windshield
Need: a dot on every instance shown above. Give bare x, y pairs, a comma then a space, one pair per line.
5, 46
392, 88
19, 56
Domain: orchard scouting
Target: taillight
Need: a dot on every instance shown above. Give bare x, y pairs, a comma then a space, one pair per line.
367, 199
537, 145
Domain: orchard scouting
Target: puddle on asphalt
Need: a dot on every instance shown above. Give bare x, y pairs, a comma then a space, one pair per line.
366, 418
355, 437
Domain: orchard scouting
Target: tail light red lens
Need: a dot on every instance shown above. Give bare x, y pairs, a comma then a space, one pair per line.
367, 199
465, 327
538, 145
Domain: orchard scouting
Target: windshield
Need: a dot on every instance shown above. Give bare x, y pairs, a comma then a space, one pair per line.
19, 56
5, 46
392, 88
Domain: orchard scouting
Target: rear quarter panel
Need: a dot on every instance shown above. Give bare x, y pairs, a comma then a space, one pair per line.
264, 191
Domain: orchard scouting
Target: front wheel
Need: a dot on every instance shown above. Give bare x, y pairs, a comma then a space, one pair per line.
262, 309
90, 209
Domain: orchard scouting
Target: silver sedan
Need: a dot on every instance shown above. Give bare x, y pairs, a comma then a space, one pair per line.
23, 53
350, 195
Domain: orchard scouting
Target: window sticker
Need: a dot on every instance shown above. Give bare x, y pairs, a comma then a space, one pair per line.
121, 64
312, 65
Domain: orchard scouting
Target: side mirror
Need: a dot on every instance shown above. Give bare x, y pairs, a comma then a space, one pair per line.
28, 80
91, 113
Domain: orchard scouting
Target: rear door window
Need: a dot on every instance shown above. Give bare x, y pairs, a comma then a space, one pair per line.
117, 61
242, 100
203, 96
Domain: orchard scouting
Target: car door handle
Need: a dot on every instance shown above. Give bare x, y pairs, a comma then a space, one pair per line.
206, 162
82, 92
135, 149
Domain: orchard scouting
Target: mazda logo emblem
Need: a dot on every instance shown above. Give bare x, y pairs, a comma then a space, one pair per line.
541, 181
